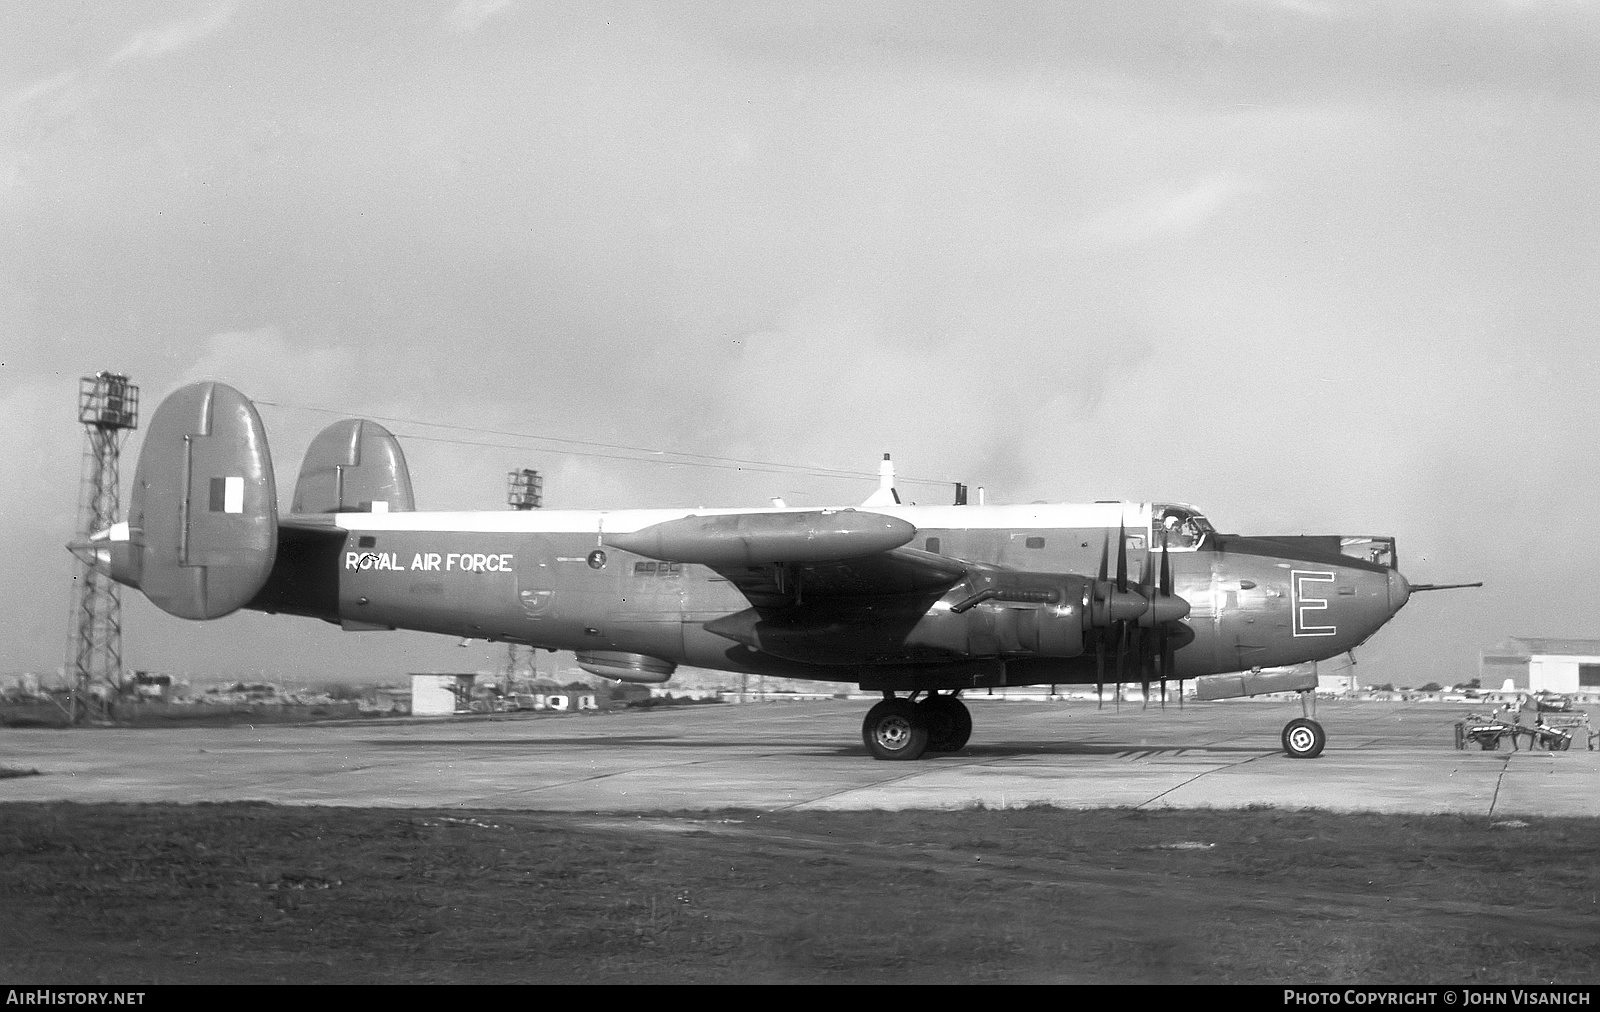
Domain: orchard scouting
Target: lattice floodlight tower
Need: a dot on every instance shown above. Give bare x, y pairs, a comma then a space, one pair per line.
108, 408
524, 491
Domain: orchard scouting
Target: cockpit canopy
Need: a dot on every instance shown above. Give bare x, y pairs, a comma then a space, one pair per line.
1181, 525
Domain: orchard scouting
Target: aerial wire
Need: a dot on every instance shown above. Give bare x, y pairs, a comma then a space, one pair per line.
656, 455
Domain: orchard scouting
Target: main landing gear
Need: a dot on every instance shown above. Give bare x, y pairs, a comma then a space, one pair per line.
1303, 737
905, 728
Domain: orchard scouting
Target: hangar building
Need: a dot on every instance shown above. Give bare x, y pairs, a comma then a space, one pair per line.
1542, 665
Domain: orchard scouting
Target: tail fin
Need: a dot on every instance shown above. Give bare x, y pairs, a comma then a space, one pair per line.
354, 466
203, 514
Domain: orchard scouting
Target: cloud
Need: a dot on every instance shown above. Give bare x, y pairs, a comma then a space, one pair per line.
469, 15
20, 101
1166, 212
29, 113
156, 42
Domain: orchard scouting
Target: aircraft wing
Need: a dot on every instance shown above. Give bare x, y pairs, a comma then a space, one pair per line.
773, 557
897, 571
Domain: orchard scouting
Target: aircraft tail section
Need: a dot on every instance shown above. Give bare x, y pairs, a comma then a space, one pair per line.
203, 514
354, 466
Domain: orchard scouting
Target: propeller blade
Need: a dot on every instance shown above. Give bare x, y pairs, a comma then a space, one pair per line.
1122, 653
1166, 567
1168, 659
1100, 668
1122, 557
1145, 659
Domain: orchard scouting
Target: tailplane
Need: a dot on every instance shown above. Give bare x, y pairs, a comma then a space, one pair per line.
202, 535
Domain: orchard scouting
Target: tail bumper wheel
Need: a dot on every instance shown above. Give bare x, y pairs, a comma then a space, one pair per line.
1303, 738
949, 723
895, 729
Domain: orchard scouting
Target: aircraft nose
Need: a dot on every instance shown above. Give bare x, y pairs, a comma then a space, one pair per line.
1399, 591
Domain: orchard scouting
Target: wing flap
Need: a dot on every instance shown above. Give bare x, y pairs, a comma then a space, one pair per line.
895, 572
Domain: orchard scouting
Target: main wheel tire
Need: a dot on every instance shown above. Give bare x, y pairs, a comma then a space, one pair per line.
1303, 738
949, 723
895, 729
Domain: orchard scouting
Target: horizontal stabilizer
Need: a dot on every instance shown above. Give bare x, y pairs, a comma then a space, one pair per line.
757, 539
354, 466
203, 514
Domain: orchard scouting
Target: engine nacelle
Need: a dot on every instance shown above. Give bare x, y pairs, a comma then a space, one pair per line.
993, 613
1006, 614
625, 667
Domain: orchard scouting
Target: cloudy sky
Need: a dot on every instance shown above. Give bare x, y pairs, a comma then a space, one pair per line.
1314, 267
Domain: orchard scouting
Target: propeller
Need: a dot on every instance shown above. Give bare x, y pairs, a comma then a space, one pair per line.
1100, 639
1163, 639
1144, 618
1147, 587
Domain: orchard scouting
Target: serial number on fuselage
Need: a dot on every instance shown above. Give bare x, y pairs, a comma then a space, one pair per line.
433, 562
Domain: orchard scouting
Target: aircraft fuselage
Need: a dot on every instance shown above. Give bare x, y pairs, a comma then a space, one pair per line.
549, 579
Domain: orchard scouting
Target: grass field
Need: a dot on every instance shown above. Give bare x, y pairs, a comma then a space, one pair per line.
259, 893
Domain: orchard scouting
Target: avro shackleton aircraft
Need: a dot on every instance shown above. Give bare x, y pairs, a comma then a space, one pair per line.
920, 603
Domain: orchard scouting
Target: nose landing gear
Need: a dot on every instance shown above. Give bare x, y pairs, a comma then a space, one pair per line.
1303, 737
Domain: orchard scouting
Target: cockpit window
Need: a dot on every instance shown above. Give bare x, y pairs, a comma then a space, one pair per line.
1183, 529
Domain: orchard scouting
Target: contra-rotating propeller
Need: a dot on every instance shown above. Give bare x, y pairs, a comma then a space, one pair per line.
1146, 619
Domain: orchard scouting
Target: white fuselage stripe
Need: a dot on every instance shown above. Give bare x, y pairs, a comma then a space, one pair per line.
1057, 516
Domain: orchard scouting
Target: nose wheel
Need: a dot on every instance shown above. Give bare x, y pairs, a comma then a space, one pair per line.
1303, 738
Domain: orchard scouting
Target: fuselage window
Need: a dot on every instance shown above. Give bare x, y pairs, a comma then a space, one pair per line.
933, 545
644, 567
1035, 542
366, 541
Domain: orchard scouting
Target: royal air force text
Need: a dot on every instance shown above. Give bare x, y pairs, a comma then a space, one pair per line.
432, 562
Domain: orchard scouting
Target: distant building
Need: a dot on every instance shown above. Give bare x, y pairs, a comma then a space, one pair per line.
1525, 664
440, 695
1341, 684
